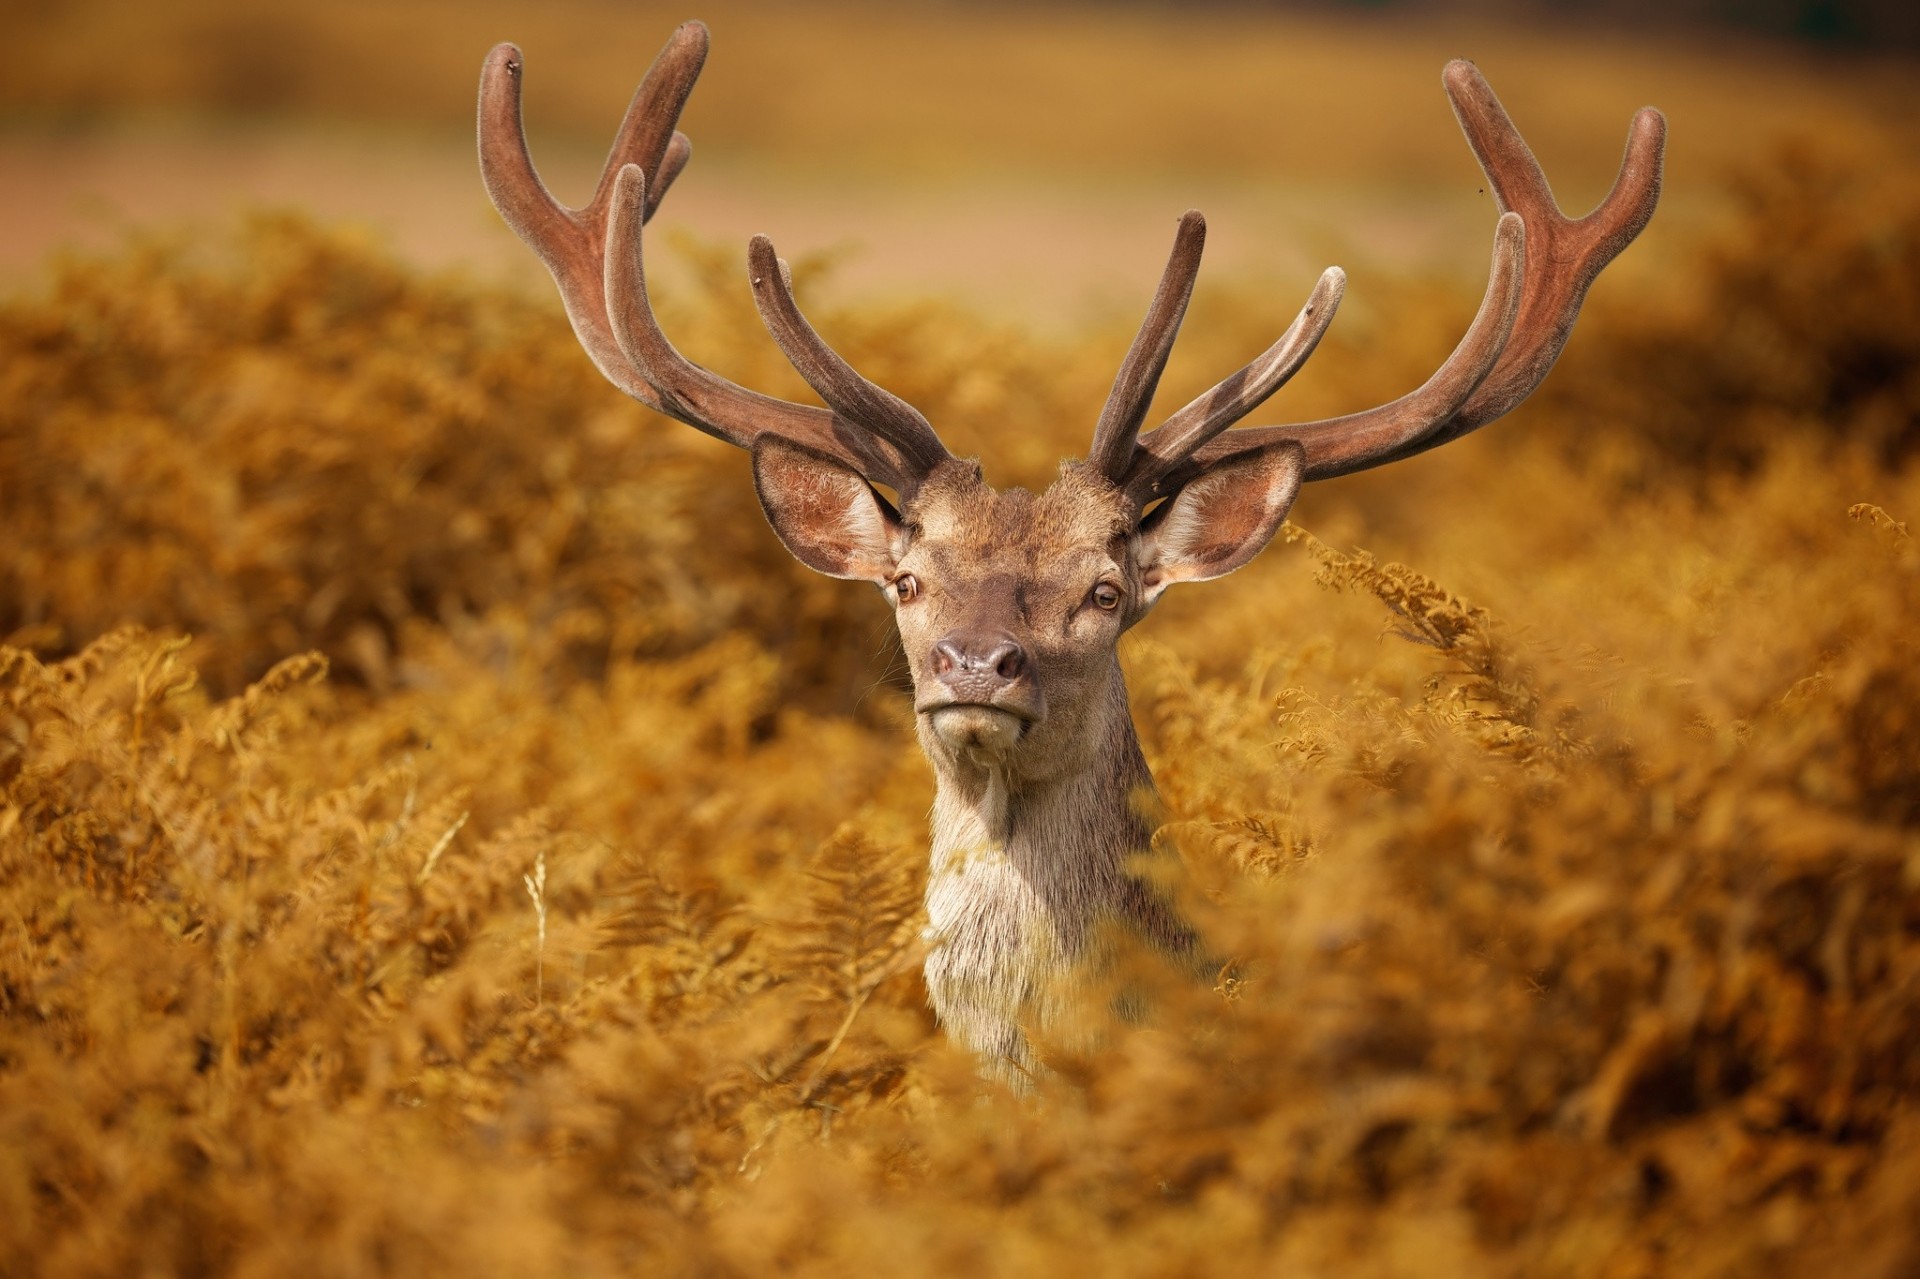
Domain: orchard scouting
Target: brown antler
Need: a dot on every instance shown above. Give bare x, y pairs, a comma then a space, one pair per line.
1543, 263
595, 255
831, 377
1133, 386
1114, 439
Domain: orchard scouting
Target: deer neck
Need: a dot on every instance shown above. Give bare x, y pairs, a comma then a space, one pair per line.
1072, 810
1028, 865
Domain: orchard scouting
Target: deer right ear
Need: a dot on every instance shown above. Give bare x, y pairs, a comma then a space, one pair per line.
1220, 520
825, 512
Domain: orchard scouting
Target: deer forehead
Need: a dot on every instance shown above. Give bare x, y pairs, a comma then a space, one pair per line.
965, 521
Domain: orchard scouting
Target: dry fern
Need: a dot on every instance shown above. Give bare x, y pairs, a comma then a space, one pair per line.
558, 913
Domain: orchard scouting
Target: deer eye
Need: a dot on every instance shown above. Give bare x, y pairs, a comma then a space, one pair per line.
905, 587
1107, 596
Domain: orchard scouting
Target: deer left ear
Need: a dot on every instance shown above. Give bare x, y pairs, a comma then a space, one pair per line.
1221, 519
825, 513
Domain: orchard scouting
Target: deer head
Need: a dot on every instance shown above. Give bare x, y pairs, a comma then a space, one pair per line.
1009, 604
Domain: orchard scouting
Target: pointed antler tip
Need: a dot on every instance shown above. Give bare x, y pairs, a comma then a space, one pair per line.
627, 211
505, 59
765, 267
693, 37
1328, 291
630, 180
1510, 238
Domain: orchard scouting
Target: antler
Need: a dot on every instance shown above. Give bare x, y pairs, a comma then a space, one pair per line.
1543, 263
595, 255
1133, 386
1114, 439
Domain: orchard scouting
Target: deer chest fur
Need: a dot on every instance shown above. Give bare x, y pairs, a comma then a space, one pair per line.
1013, 911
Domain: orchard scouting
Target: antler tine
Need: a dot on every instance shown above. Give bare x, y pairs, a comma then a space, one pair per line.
569, 242
647, 136
595, 255
506, 167
1359, 440
1561, 258
823, 368
694, 395
679, 151
1165, 447
1133, 387
1569, 253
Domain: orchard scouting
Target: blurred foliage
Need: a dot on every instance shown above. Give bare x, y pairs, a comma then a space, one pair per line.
558, 913
1804, 313
296, 443
845, 89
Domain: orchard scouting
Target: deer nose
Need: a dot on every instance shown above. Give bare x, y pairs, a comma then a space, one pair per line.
986, 662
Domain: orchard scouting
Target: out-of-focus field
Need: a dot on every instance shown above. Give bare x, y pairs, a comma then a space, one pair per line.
1027, 160
441, 831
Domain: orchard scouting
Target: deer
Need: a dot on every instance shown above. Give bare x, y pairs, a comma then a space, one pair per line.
1010, 604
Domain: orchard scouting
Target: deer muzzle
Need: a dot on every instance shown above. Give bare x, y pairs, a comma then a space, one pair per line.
983, 696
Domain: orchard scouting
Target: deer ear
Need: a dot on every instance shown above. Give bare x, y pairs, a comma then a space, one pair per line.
1221, 519
825, 513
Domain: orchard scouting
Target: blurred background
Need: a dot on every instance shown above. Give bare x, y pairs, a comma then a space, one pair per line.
1581, 934
977, 200
1025, 159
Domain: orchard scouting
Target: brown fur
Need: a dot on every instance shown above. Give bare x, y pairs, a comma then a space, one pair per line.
1042, 785
1030, 844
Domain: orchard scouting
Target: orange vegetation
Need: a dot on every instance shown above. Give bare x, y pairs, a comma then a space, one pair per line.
557, 913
